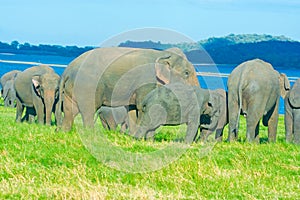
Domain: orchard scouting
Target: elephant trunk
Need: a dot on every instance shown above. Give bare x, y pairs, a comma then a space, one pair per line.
49, 97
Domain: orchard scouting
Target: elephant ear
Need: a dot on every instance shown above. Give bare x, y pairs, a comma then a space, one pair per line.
163, 69
284, 85
36, 84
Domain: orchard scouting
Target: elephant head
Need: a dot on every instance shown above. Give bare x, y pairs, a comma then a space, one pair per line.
284, 85
9, 93
46, 87
294, 95
174, 67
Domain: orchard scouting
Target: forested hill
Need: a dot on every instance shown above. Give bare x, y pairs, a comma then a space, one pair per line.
234, 49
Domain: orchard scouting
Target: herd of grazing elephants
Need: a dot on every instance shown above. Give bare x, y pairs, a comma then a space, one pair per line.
142, 89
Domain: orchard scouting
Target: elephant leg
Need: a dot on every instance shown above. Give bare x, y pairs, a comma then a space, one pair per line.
288, 122
132, 120
253, 118
70, 111
297, 127
204, 134
104, 123
272, 123
192, 129
219, 134
40, 110
88, 117
19, 112
234, 112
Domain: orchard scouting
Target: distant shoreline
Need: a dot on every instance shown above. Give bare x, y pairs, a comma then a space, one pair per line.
31, 63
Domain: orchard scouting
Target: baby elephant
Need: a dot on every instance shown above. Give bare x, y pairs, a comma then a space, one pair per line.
111, 117
292, 114
217, 119
173, 104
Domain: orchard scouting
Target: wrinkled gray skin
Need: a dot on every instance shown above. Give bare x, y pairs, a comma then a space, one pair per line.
37, 87
254, 89
173, 104
8, 92
111, 117
117, 77
292, 114
217, 119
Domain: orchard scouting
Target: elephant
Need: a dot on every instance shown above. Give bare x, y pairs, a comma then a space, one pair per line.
37, 87
173, 104
217, 119
111, 117
8, 92
117, 76
292, 114
254, 89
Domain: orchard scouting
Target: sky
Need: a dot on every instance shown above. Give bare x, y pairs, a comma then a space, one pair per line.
102, 22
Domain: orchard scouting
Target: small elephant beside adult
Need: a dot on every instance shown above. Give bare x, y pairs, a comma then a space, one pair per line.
292, 114
173, 104
8, 92
217, 119
254, 89
37, 88
117, 76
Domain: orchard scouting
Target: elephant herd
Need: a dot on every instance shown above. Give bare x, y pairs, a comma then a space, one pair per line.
142, 89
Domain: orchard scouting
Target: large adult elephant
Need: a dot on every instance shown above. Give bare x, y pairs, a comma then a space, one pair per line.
254, 89
292, 114
37, 87
117, 77
8, 92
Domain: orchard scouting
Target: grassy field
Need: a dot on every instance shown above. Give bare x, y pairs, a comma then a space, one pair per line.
36, 162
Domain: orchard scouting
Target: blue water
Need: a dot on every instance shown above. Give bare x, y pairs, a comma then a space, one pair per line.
210, 82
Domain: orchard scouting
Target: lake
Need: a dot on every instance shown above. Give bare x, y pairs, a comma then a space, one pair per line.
209, 76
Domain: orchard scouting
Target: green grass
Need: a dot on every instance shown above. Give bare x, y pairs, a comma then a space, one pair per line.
37, 162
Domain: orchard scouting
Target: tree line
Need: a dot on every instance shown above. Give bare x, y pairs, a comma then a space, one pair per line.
27, 48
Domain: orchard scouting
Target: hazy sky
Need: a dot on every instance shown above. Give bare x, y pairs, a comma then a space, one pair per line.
90, 22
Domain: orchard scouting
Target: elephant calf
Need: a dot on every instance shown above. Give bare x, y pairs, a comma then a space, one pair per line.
37, 87
8, 91
173, 104
292, 114
111, 117
217, 119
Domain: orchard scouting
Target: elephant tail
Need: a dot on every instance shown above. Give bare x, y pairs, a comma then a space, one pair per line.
240, 99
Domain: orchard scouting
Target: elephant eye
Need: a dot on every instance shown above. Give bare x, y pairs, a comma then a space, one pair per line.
144, 108
186, 73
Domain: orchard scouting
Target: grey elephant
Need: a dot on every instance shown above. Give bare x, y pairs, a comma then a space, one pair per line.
37, 87
292, 114
8, 92
254, 89
217, 119
111, 117
173, 104
117, 76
